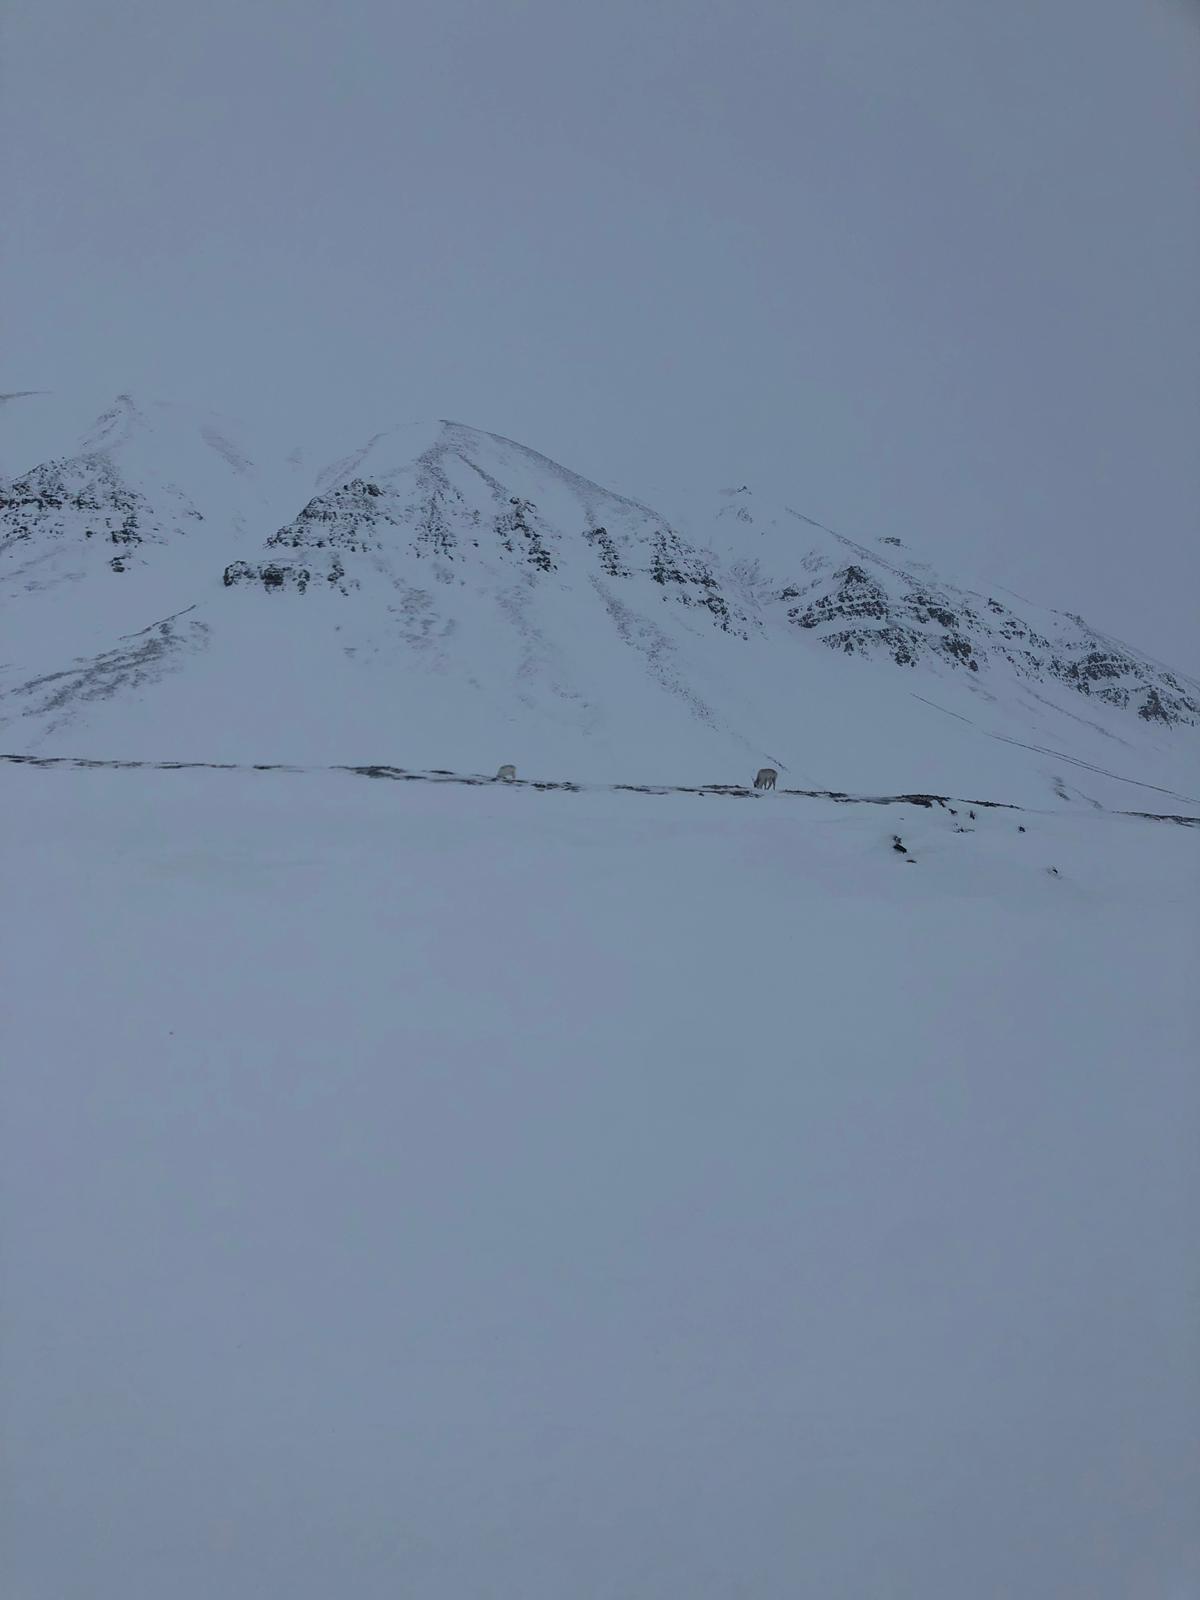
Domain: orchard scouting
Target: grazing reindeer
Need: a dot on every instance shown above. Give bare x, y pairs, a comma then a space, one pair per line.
507, 774
766, 778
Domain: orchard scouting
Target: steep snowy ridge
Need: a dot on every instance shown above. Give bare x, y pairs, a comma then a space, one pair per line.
83, 496
445, 597
464, 496
863, 603
154, 496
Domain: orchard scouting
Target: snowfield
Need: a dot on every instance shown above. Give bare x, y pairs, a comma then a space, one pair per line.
589, 1188
441, 1191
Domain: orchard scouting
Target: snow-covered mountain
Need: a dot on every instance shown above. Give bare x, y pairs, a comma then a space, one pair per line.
445, 597
106, 526
885, 605
425, 1176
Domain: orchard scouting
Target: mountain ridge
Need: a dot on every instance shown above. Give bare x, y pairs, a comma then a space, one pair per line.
478, 592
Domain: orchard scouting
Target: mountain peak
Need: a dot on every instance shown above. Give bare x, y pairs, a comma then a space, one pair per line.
114, 426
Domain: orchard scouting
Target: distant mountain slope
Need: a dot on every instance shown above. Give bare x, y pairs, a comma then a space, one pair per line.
881, 605
133, 513
443, 596
478, 502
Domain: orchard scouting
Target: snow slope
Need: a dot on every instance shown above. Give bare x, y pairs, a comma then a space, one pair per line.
445, 597
883, 603
449, 1191
128, 520
418, 1185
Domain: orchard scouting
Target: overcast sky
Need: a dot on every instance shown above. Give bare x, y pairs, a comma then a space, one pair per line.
921, 267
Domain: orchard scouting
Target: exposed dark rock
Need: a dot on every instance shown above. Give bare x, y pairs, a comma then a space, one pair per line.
890, 614
519, 536
602, 541
271, 574
1152, 708
678, 567
347, 519
81, 497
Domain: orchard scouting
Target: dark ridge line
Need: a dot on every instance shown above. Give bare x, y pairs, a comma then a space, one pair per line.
566, 786
442, 775
1089, 766
1162, 816
1059, 755
161, 621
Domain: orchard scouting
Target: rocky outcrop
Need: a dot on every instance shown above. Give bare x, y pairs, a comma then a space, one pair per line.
82, 500
453, 505
681, 570
887, 614
353, 519
284, 575
519, 534
605, 547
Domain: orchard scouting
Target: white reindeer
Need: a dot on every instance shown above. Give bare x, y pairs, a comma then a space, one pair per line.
765, 778
507, 774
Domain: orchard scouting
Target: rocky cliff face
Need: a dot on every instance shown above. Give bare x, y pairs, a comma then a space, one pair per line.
879, 605
471, 502
906, 623
82, 504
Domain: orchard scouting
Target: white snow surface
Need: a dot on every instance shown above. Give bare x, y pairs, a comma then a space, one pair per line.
198, 488
420, 1185
420, 1189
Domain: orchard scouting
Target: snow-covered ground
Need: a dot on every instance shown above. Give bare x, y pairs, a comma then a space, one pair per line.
434, 1191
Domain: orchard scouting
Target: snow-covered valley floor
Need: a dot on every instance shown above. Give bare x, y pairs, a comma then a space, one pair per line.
460, 1192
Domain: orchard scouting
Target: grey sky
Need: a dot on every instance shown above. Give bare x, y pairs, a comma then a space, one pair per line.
925, 268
